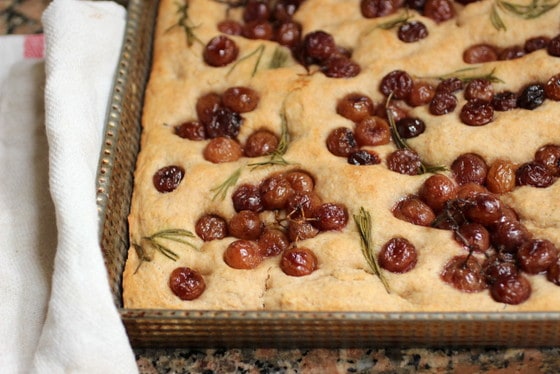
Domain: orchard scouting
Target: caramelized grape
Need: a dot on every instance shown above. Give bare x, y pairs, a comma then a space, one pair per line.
508, 235
372, 131
240, 99
364, 157
167, 179
301, 230
464, 273
256, 10
243, 254
247, 197
398, 83
302, 205
415, 211
341, 142
246, 225
480, 89
513, 289
224, 123
284, 10
258, 30
469, 190
220, 150
553, 273
410, 127
355, 106
273, 242
412, 31
210, 227
477, 112
484, 208
330, 216
552, 88
230, 27
420, 94
439, 10
261, 143
534, 174
300, 181
449, 85
377, 8
536, 43
220, 51
206, 106
549, 156
340, 66
437, 190
275, 191
537, 255
511, 53
318, 46
192, 130
288, 34
469, 167
531, 97
442, 103
480, 53
398, 255
298, 262
496, 268
553, 47
186, 283
473, 236
501, 176
504, 101
404, 161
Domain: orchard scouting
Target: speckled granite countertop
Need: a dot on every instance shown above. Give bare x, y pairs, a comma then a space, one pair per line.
23, 17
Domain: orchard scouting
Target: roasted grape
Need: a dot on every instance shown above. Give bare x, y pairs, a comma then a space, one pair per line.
240, 99
553, 273
243, 254
168, 178
246, 225
552, 88
410, 127
186, 283
413, 210
553, 47
211, 227
301, 205
549, 156
340, 66
298, 262
500, 178
275, 191
480, 53
437, 190
511, 53
330, 216
318, 46
355, 106
480, 89
301, 230
377, 8
398, 83
260, 143
221, 149
439, 10
504, 101
288, 34
398, 255
404, 161
372, 131
301, 181
464, 273
224, 123
412, 31
247, 197
420, 94
220, 51
341, 142
513, 289
536, 43
192, 130
258, 30
272, 242
509, 235
473, 236
364, 157
531, 97
534, 174
442, 103
469, 167
477, 112
496, 268
206, 106
537, 255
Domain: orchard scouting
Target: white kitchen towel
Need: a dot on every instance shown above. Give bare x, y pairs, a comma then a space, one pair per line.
57, 310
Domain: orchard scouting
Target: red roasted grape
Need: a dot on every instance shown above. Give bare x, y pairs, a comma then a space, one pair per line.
186, 283
464, 273
243, 254
167, 179
298, 262
398, 255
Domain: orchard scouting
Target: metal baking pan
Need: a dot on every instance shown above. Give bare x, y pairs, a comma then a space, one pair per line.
172, 328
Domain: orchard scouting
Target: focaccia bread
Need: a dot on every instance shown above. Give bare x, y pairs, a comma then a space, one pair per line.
331, 155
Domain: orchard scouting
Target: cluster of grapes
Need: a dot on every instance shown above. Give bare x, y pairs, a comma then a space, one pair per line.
469, 205
271, 217
437, 10
273, 20
483, 52
219, 118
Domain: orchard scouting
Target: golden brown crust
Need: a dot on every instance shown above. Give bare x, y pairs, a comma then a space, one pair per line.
343, 280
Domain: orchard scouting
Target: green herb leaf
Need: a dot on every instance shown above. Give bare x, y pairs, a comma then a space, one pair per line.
279, 58
525, 11
363, 222
465, 76
185, 23
221, 190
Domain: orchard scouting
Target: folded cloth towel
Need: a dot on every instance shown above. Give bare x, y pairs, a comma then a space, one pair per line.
55, 292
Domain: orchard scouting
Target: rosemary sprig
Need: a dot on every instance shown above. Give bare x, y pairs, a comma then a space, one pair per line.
465, 76
363, 221
259, 51
402, 144
221, 190
396, 21
154, 240
279, 58
525, 11
185, 23
277, 157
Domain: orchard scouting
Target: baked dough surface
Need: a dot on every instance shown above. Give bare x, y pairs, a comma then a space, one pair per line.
343, 280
